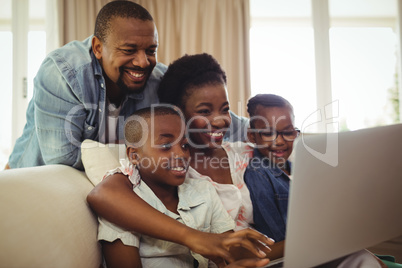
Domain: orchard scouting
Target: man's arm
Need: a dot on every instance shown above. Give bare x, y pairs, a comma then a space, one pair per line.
59, 116
114, 200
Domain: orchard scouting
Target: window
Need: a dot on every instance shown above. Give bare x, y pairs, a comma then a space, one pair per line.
350, 67
363, 67
6, 55
22, 49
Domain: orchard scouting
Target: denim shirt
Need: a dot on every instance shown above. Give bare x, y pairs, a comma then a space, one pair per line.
238, 128
269, 191
69, 106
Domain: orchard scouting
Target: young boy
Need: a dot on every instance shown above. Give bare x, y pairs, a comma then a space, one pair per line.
158, 157
267, 175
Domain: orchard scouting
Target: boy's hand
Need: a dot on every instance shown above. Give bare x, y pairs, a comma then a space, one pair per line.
218, 245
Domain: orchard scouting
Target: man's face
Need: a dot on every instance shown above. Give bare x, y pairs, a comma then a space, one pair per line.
128, 54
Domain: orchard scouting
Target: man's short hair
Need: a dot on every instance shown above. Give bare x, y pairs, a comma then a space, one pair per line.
134, 126
121, 9
266, 100
189, 71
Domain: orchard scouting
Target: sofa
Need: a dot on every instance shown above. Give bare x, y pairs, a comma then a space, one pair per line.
45, 219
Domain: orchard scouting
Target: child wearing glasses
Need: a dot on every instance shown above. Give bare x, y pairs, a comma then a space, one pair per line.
267, 175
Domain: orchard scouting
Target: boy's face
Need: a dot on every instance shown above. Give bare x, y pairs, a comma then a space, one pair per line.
163, 159
268, 121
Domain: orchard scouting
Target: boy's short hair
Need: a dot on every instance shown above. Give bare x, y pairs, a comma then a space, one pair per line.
133, 128
266, 100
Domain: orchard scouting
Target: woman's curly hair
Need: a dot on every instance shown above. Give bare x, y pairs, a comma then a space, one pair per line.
186, 74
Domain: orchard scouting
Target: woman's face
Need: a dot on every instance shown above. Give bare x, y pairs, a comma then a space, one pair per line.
206, 110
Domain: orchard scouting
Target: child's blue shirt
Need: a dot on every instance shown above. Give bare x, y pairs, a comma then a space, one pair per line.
269, 191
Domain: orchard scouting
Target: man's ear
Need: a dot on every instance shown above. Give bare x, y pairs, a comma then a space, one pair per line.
132, 154
97, 47
251, 135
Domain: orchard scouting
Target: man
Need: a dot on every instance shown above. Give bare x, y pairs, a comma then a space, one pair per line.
85, 90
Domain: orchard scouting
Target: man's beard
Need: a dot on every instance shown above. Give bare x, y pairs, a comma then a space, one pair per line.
124, 88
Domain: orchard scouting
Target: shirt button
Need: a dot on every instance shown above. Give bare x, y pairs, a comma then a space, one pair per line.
100, 110
102, 85
89, 128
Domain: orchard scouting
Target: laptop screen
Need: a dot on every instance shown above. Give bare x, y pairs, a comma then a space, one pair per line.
346, 194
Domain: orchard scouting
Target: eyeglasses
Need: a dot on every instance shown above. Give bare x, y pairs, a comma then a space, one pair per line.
271, 135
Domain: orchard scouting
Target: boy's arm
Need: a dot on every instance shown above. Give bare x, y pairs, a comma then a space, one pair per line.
256, 181
118, 255
267, 215
114, 200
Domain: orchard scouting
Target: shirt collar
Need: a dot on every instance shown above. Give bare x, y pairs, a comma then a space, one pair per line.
136, 96
96, 65
188, 196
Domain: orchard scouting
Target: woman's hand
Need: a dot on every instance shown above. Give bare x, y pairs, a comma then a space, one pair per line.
218, 245
248, 263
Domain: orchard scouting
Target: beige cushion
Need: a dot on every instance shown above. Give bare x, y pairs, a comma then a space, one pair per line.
45, 220
99, 158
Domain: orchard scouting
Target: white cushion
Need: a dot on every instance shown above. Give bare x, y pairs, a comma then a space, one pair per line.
98, 158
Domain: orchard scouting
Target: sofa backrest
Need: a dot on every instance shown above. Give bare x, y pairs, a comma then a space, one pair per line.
45, 219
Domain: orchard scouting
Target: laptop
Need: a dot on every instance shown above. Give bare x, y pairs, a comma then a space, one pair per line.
345, 195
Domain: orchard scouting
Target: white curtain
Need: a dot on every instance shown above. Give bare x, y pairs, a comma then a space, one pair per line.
217, 27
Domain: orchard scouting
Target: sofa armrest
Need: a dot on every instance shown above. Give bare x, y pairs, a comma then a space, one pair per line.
45, 219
